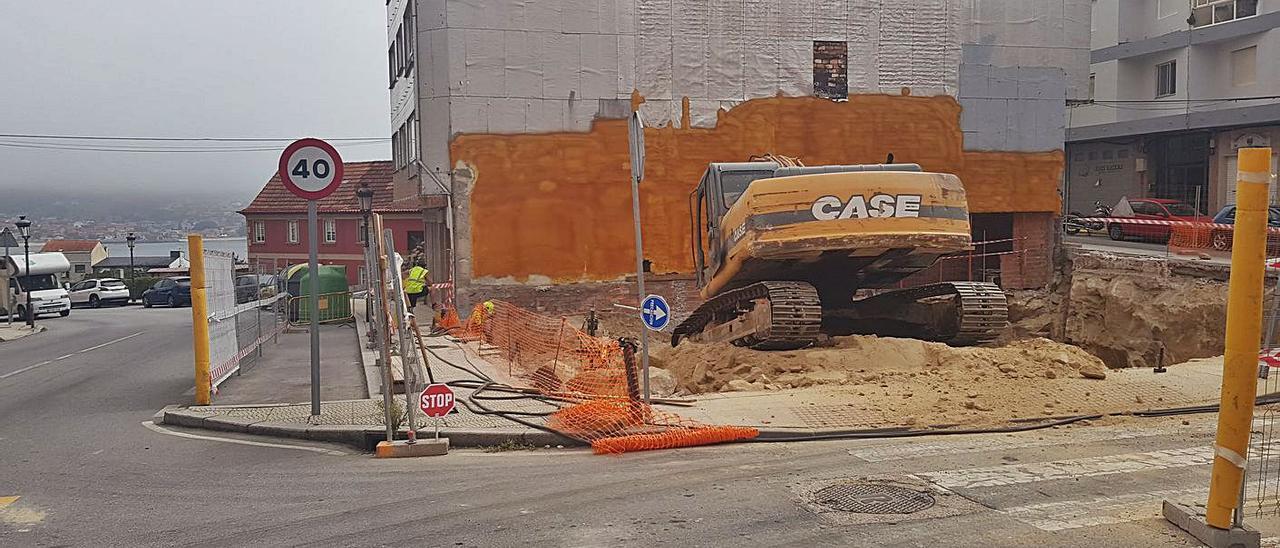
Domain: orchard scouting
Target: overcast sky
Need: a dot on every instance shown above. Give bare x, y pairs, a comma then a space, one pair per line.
163, 68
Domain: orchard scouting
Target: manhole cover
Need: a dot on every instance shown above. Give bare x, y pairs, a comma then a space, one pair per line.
873, 498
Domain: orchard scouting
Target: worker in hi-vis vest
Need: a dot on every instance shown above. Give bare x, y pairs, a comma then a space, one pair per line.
415, 285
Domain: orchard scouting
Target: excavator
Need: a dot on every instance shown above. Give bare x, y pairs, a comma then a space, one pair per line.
787, 255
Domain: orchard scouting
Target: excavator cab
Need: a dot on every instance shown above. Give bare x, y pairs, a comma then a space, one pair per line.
720, 188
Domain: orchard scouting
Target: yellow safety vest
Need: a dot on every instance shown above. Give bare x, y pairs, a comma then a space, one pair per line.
417, 281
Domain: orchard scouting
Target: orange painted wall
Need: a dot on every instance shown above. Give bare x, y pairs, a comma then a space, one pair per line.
559, 205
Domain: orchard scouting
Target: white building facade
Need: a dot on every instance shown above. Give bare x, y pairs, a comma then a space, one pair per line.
1176, 88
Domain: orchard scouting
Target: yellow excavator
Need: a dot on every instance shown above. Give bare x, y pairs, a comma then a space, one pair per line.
787, 254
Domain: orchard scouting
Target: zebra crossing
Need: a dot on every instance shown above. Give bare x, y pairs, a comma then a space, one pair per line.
1075, 479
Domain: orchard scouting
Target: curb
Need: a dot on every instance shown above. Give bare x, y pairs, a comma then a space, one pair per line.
364, 438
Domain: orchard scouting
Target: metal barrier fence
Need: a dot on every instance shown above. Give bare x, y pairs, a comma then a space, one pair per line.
240, 310
1264, 446
333, 308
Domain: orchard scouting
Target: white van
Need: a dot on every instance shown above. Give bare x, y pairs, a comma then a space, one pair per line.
48, 296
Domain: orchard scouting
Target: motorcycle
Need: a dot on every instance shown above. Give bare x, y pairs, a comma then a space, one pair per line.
1073, 223
1100, 209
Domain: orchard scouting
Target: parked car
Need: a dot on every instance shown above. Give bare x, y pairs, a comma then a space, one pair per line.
253, 287
1221, 237
1152, 209
96, 293
174, 292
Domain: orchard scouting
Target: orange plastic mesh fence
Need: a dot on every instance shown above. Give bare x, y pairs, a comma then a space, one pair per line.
1213, 240
557, 359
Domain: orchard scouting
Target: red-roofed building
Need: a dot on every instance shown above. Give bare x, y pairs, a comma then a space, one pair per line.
82, 254
277, 221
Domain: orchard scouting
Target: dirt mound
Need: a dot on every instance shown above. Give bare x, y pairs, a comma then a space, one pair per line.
1124, 310
701, 368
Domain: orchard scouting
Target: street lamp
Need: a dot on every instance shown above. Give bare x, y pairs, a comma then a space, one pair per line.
24, 228
130, 239
364, 195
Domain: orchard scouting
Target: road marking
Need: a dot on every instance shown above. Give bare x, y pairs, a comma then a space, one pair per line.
25, 369
985, 443
5, 501
47, 362
993, 476
1075, 514
157, 428
108, 343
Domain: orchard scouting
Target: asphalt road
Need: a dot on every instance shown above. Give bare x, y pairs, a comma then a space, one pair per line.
88, 472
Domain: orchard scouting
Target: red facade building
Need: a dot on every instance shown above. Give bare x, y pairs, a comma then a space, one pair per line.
277, 222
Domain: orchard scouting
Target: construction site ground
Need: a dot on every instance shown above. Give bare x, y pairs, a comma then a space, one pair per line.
895, 401
1088, 346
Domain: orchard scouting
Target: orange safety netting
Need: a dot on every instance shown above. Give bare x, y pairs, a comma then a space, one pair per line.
598, 376
1214, 240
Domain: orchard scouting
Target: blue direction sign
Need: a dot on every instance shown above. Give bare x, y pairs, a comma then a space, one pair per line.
655, 312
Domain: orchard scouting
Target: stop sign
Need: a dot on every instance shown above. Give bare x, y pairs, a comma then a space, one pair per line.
436, 400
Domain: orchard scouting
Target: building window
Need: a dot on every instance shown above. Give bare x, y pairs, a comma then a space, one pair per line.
330, 231
363, 277
1212, 12
1166, 79
259, 232
831, 69
392, 70
1093, 85
1244, 63
411, 131
79, 269
293, 232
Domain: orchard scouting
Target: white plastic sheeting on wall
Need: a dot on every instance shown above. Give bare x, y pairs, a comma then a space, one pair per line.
528, 66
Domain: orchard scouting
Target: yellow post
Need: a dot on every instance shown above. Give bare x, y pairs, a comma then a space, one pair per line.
199, 318
1244, 329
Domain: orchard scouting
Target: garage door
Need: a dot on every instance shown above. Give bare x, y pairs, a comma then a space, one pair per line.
1233, 166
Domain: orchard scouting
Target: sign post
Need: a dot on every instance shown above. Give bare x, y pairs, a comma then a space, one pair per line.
311, 169
635, 138
7, 240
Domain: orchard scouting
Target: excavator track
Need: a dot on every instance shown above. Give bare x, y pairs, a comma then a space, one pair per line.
980, 310
763, 316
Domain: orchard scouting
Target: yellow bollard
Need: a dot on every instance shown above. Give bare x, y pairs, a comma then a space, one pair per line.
1244, 329
199, 318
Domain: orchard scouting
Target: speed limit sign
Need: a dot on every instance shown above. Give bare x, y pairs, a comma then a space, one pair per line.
310, 168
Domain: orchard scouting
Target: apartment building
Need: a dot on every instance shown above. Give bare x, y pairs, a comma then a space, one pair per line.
1176, 87
510, 117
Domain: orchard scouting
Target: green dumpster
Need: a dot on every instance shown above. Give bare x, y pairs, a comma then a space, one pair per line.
335, 295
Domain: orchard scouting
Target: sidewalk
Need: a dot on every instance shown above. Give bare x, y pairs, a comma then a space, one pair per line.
18, 331
283, 373
806, 411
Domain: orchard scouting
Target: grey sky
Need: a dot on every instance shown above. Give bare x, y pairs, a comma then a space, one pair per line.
224, 68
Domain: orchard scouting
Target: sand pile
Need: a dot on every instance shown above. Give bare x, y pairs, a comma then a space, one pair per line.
870, 360
1123, 310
